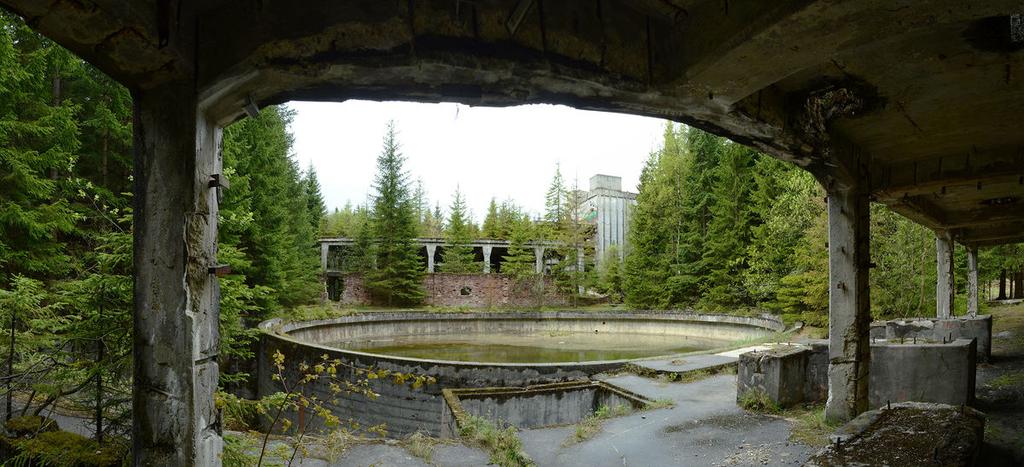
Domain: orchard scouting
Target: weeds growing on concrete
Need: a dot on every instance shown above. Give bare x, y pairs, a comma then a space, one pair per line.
503, 444
809, 425
660, 404
422, 445
1008, 380
591, 425
757, 400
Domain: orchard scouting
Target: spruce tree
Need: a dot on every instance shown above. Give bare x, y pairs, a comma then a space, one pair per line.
691, 269
38, 137
314, 200
491, 223
266, 213
651, 272
397, 276
458, 254
554, 200
729, 230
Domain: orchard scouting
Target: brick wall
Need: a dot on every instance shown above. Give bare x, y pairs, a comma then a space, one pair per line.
470, 290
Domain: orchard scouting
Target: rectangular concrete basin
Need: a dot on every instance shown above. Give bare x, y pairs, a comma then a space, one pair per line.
533, 406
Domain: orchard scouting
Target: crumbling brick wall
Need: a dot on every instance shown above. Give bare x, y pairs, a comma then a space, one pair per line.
469, 290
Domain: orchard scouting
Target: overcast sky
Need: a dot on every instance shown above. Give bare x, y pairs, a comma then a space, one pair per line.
487, 152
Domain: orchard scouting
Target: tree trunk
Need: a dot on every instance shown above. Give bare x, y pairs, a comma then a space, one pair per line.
1018, 289
1002, 285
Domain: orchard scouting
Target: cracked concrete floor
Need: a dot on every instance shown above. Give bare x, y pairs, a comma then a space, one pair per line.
704, 428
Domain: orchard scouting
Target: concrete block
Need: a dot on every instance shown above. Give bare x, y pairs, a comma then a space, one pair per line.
780, 373
922, 372
948, 329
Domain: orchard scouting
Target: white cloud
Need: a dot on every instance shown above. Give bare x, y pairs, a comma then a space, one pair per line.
500, 152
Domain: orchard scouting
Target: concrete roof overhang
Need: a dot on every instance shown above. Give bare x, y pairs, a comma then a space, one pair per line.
929, 93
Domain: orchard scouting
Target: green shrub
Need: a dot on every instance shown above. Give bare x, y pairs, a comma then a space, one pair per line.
30, 425
64, 448
504, 444
756, 400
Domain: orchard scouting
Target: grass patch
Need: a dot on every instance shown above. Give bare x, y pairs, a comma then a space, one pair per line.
421, 445
503, 444
661, 404
591, 425
315, 312
1008, 380
757, 400
809, 425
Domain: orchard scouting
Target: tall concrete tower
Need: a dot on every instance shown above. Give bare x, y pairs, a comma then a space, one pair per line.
609, 208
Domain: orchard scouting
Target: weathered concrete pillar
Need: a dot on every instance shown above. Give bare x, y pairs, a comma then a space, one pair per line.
944, 290
174, 420
849, 302
324, 250
972, 280
487, 258
431, 250
538, 254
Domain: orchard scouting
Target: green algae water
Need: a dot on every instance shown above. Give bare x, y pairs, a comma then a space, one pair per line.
530, 348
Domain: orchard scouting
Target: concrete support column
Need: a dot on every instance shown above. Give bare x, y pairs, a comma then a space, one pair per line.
538, 253
944, 290
324, 250
849, 302
177, 297
487, 258
972, 281
431, 250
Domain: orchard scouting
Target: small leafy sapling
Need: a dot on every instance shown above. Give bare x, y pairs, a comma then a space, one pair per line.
325, 372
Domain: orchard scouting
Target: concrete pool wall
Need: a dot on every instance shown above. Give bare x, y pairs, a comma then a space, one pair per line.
405, 410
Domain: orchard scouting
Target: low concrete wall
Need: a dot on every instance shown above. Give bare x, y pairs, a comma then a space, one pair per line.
962, 327
405, 410
534, 407
379, 324
923, 372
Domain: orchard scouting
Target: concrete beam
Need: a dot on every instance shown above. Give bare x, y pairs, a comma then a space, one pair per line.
944, 287
993, 234
970, 172
176, 314
972, 281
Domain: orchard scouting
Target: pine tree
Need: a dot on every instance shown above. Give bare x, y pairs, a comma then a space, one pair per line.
314, 200
554, 201
783, 201
397, 275
729, 230
266, 213
491, 224
38, 138
690, 268
519, 262
458, 254
657, 227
